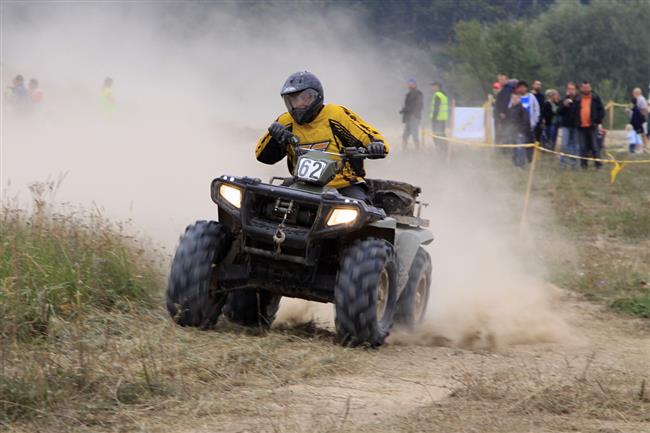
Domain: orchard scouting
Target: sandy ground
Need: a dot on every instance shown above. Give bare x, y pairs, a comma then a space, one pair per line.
404, 385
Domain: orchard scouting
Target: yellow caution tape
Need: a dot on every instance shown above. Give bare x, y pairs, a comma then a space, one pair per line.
479, 144
616, 104
616, 168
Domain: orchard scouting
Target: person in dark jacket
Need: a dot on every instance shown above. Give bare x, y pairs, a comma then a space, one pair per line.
566, 123
501, 104
411, 114
517, 129
549, 114
588, 113
637, 119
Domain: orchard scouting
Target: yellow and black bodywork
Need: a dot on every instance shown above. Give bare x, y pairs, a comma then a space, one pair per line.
334, 129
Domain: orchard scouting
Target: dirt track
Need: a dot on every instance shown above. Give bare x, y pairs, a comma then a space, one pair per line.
591, 382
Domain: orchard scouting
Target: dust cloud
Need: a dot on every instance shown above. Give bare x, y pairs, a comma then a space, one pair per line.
196, 85
488, 286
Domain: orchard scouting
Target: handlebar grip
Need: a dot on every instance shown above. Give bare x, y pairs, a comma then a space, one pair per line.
293, 140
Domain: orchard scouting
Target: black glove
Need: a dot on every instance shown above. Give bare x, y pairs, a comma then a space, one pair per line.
280, 133
376, 150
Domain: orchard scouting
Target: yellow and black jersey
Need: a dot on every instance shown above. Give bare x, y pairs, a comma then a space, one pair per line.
333, 129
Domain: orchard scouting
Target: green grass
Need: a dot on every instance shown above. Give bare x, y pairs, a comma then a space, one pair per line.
590, 235
593, 236
639, 306
609, 228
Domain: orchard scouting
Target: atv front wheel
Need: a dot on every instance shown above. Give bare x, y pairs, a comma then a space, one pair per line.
366, 293
191, 297
252, 308
412, 305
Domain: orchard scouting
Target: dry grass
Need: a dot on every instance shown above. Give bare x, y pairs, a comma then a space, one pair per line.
86, 346
57, 263
106, 372
586, 399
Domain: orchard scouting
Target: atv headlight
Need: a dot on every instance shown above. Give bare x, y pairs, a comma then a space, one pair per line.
342, 216
231, 194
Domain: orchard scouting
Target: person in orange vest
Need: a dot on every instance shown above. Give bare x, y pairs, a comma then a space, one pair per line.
588, 113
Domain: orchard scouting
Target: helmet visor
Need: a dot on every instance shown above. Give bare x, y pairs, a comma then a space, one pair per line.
300, 100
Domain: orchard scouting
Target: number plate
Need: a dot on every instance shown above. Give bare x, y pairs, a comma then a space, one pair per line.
310, 170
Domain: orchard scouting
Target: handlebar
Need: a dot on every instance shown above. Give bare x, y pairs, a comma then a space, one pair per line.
348, 153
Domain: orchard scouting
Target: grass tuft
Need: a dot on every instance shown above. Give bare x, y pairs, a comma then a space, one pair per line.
56, 264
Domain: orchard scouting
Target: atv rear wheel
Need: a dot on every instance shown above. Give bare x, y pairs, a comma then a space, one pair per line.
252, 308
412, 305
191, 293
366, 293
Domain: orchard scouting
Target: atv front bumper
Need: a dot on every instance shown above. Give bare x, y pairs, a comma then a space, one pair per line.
285, 223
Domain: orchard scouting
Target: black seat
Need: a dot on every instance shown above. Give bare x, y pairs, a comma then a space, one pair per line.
395, 198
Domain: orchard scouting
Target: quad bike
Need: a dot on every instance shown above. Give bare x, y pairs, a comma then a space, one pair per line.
300, 238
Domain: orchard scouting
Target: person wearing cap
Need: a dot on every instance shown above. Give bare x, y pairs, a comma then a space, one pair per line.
411, 113
439, 113
319, 126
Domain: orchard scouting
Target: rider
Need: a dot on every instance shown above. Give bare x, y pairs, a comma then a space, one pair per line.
329, 128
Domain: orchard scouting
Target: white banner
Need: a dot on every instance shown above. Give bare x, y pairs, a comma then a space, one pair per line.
468, 122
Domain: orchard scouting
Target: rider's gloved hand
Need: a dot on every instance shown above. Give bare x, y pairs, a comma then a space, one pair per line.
376, 150
280, 133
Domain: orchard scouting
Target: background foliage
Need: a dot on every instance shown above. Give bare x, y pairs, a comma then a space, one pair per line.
469, 41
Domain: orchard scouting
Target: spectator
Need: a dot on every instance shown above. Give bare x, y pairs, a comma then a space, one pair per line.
633, 139
19, 96
516, 129
647, 125
550, 116
642, 105
536, 90
439, 114
411, 114
496, 88
567, 126
108, 100
636, 120
501, 105
529, 102
35, 93
589, 113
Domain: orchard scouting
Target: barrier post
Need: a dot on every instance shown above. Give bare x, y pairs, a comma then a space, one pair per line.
529, 187
487, 120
